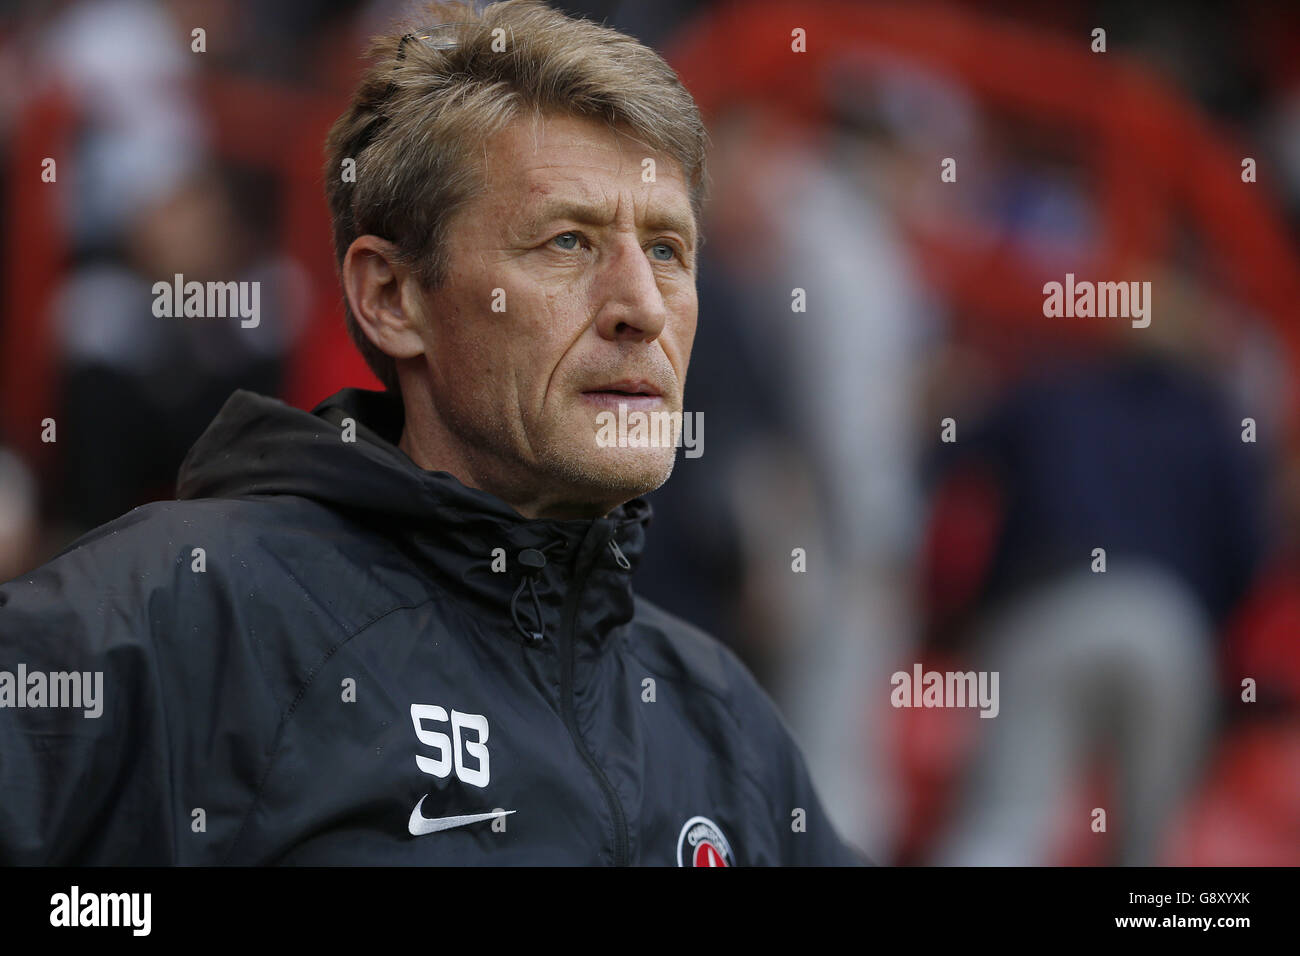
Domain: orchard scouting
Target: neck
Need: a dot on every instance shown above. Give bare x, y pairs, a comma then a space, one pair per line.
525, 497
428, 442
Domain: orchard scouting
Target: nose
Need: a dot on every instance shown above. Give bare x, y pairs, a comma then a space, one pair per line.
632, 307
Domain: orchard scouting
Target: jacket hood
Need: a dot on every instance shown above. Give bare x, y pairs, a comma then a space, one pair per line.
260, 446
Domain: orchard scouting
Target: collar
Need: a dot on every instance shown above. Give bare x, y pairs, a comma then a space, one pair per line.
535, 577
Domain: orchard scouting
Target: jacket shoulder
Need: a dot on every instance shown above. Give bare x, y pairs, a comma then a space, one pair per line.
254, 549
189, 585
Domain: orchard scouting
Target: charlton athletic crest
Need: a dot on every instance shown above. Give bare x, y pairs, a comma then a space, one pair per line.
701, 843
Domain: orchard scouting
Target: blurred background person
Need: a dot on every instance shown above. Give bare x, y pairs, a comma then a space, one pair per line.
147, 200
136, 391
1107, 658
812, 249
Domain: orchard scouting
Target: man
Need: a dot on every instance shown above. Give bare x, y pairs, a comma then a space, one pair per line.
1138, 454
400, 629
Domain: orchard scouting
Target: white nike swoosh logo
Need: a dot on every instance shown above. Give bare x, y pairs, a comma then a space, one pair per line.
420, 824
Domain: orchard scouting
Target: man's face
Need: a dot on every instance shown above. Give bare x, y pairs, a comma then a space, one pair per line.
570, 290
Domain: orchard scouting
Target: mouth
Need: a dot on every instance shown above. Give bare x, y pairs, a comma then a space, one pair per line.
628, 388
635, 393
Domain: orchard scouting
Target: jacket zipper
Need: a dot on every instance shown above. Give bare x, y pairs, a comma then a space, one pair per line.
572, 599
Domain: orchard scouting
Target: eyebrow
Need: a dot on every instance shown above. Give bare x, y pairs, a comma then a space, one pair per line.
583, 212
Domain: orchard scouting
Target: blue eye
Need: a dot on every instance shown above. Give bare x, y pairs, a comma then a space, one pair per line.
566, 235
672, 253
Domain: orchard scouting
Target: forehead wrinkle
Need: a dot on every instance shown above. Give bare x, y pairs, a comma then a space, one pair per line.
587, 208
585, 205
595, 201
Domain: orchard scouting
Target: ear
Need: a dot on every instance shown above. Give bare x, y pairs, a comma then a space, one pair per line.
384, 296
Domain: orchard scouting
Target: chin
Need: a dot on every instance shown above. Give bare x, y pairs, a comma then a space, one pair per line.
637, 471
622, 473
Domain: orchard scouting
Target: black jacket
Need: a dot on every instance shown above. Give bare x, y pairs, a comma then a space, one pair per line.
363, 654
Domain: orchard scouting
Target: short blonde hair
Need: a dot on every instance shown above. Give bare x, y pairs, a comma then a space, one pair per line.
424, 109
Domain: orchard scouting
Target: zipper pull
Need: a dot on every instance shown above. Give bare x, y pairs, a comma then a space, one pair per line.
619, 556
